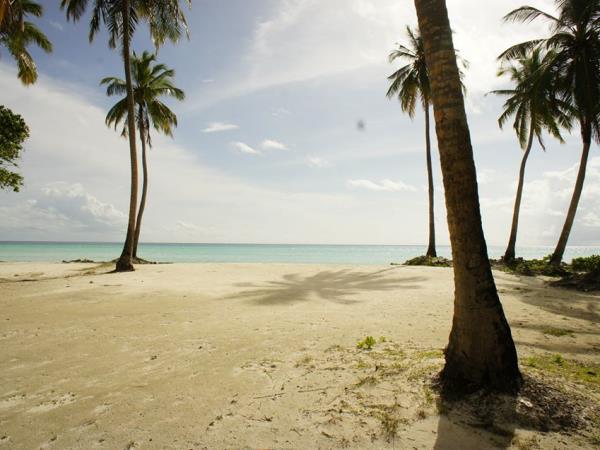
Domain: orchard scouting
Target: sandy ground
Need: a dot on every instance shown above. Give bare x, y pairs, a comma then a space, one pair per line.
193, 356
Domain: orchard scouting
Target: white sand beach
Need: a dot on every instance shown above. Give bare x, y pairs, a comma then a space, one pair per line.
195, 356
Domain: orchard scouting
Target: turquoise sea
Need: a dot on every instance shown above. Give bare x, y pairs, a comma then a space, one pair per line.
248, 253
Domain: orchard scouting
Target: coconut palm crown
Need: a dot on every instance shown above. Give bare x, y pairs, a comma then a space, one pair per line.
17, 34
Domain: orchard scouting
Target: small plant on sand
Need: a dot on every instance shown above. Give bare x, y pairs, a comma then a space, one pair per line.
367, 381
526, 443
389, 425
382, 339
566, 368
431, 354
558, 332
367, 343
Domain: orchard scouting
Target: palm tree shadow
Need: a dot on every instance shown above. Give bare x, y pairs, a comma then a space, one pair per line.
333, 285
458, 430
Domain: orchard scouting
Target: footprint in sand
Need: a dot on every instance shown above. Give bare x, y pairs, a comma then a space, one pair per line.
56, 402
11, 401
101, 409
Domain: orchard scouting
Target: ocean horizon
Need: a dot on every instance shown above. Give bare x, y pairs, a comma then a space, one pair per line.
27, 251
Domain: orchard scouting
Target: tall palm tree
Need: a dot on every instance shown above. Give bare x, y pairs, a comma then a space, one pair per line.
535, 107
151, 81
575, 41
408, 83
411, 83
166, 21
481, 352
17, 34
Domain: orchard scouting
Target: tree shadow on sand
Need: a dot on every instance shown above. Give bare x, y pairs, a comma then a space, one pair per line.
555, 300
460, 429
332, 285
488, 420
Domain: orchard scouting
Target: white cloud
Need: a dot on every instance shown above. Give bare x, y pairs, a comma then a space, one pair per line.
56, 25
73, 202
245, 148
319, 163
384, 186
303, 40
217, 127
269, 144
281, 112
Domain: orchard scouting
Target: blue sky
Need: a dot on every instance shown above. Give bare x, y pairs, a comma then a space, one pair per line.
268, 148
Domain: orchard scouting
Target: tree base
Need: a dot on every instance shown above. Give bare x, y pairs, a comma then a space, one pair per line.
124, 265
454, 383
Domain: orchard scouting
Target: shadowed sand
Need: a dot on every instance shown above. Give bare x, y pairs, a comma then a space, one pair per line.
253, 355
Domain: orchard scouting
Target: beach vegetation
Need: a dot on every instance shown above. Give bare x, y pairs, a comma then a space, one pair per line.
533, 267
18, 34
556, 364
430, 261
367, 343
586, 263
13, 133
557, 332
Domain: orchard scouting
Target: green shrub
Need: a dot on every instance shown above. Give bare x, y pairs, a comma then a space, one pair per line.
586, 263
531, 267
429, 261
367, 343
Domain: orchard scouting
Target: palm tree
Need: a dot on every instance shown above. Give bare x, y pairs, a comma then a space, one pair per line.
410, 83
535, 107
17, 34
166, 21
481, 352
575, 41
151, 81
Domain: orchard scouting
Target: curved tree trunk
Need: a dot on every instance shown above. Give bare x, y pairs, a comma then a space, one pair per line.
509, 254
481, 352
431, 247
138, 223
124, 263
559, 251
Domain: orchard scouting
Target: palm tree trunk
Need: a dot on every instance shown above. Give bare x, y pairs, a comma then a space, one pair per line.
559, 251
481, 352
509, 254
138, 223
431, 247
124, 263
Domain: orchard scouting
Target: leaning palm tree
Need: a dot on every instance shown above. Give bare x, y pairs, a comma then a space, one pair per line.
575, 41
17, 34
166, 21
481, 352
151, 81
535, 106
411, 83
